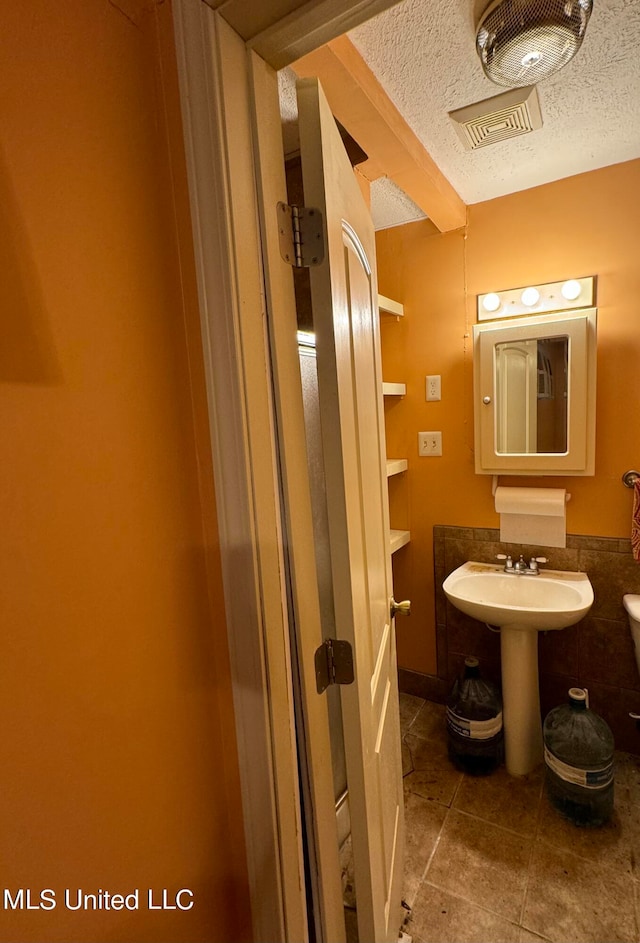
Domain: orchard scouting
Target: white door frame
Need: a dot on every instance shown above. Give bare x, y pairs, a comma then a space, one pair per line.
221, 180
215, 66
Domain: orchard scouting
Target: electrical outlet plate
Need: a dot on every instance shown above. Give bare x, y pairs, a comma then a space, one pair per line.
429, 443
433, 389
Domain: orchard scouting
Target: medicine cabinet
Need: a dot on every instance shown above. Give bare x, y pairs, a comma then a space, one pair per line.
534, 394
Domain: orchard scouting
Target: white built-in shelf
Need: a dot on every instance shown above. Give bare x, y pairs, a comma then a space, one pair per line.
396, 465
394, 389
398, 539
388, 306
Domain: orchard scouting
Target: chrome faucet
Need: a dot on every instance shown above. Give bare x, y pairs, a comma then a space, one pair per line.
521, 567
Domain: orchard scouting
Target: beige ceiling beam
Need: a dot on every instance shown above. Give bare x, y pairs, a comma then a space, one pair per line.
363, 107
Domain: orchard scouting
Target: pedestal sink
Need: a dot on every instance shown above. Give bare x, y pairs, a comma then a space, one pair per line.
522, 605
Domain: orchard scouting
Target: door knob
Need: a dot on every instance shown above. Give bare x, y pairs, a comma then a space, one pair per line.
400, 608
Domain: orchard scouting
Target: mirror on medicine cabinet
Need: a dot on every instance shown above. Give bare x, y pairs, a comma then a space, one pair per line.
534, 394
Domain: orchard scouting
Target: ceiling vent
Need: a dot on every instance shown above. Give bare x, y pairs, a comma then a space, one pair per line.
521, 42
499, 118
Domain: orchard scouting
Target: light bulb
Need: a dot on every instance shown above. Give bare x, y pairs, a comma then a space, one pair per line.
571, 289
530, 297
531, 58
491, 302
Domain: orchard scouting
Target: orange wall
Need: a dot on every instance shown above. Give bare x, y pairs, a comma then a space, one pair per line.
587, 224
118, 764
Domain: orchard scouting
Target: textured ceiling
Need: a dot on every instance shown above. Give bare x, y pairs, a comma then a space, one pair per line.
423, 54
390, 206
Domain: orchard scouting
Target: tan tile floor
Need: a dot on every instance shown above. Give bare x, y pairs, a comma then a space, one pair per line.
489, 860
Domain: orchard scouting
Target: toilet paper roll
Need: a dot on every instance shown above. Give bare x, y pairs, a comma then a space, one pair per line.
549, 502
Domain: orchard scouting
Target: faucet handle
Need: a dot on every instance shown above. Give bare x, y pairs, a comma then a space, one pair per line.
508, 561
533, 563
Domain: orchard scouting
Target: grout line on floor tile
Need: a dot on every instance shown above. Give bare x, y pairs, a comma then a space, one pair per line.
433, 851
523, 906
460, 896
536, 830
455, 791
539, 811
487, 910
403, 733
511, 831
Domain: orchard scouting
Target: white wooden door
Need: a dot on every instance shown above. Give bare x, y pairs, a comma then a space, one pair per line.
346, 325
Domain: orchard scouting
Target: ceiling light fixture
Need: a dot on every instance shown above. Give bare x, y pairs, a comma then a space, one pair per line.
521, 42
570, 293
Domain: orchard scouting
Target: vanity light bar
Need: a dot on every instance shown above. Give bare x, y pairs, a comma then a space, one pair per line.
538, 299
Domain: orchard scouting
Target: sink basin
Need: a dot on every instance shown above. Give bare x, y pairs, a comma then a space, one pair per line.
521, 606
552, 600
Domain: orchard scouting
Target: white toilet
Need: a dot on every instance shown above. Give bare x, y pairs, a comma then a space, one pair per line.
632, 605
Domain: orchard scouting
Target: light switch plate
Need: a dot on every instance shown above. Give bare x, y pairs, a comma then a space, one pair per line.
429, 443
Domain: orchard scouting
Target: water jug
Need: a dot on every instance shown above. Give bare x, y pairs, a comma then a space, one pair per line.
578, 754
474, 722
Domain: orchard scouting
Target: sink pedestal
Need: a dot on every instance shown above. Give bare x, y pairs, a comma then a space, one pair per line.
522, 605
521, 699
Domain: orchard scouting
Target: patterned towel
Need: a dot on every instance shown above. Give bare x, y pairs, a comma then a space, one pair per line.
635, 521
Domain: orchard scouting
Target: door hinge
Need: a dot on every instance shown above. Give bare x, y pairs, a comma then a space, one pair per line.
334, 664
301, 235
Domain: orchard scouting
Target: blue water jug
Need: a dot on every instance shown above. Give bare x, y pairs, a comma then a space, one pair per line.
578, 755
474, 722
